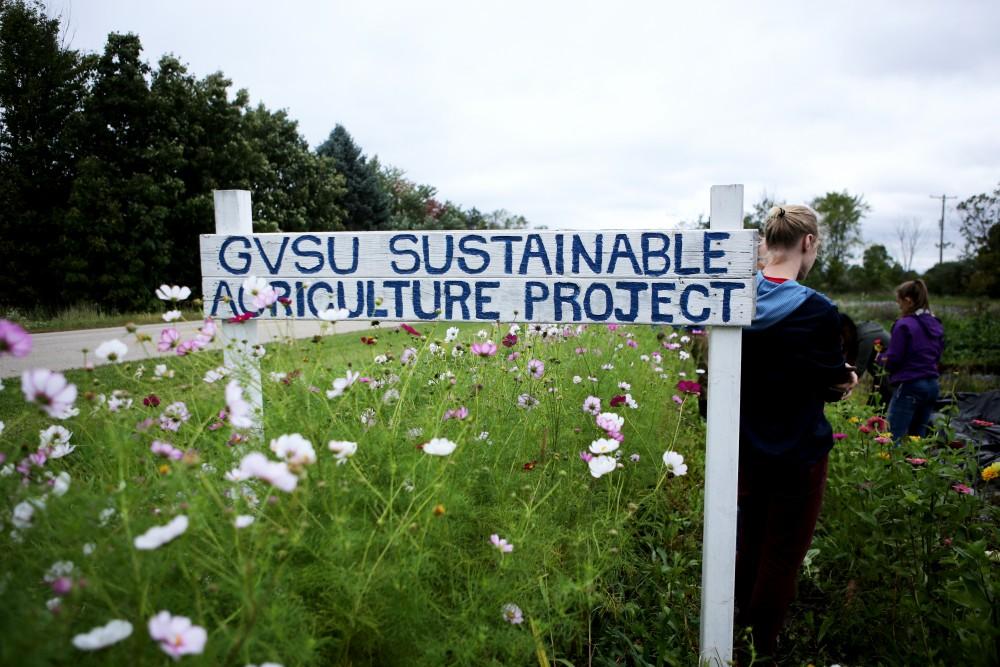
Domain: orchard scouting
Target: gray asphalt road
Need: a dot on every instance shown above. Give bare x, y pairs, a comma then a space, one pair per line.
63, 350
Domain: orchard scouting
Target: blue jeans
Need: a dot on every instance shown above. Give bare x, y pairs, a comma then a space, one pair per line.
911, 406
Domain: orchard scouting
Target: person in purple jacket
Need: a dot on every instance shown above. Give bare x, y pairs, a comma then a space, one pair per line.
912, 361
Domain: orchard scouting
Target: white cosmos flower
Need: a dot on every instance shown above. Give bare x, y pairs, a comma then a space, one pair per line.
50, 391
675, 463
344, 450
23, 515
275, 473
334, 314
439, 447
294, 449
53, 436
157, 536
240, 412
173, 293
261, 293
610, 422
60, 484
340, 385
601, 465
111, 350
451, 334
215, 374
171, 315
604, 446
102, 636
243, 520
161, 371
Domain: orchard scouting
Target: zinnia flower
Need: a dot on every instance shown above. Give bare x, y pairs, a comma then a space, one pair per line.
177, 635
991, 472
103, 636
13, 339
50, 390
157, 536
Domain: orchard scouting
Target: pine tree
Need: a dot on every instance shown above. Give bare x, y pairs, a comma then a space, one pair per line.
365, 204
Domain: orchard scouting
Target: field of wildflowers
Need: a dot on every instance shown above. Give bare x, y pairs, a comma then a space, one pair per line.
439, 495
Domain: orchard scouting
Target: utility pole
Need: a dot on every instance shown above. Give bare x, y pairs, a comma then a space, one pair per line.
941, 244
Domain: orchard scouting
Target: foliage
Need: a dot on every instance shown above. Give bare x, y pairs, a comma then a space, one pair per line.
755, 218
979, 213
840, 222
949, 277
365, 202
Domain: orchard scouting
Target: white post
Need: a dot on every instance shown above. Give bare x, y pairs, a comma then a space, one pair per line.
233, 215
718, 568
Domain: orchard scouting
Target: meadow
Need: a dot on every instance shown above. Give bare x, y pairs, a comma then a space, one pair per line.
451, 496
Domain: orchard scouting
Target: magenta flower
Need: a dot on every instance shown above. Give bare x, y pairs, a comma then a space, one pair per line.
510, 340
458, 413
586, 456
487, 349
689, 387
839, 436
631, 343
50, 391
501, 544
612, 327
13, 339
914, 461
177, 635
408, 329
962, 488
169, 339
617, 400
677, 399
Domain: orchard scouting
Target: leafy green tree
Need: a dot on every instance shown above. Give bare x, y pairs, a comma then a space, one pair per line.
949, 277
366, 205
879, 271
840, 220
41, 90
986, 278
755, 218
980, 213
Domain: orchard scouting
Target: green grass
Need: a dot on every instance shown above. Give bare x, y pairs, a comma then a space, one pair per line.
83, 316
386, 560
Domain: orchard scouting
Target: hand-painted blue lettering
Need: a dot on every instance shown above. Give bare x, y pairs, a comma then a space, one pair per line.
449, 253
245, 256
679, 267
710, 254
359, 304
594, 261
633, 288
658, 300
623, 248
461, 298
397, 286
312, 254
566, 293
483, 300
560, 260
331, 247
311, 296
300, 299
686, 295
508, 252
272, 267
530, 298
418, 308
219, 297
286, 293
609, 302
534, 248
727, 289
463, 246
404, 251
373, 310
648, 252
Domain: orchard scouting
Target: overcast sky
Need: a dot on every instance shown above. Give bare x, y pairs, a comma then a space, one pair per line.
618, 115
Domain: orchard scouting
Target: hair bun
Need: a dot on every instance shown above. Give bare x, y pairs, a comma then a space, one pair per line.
781, 212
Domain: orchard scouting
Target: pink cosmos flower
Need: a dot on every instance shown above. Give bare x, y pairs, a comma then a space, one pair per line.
50, 391
408, 355
487, 349
166, 450
612, 327
592, 405
839, 436
537, 368
501, 544
13, 339
610, 422
631, 343
586, 456
169, 339
677, 399
458, 413
512, 613
176, 635
261, 293
408, 329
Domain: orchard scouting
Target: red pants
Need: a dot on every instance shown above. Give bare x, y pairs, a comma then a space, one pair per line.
778, 506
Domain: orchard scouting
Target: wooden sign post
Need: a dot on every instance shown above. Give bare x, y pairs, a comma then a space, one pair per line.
677, 277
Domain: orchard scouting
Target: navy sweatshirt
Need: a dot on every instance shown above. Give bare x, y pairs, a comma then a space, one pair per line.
792, 356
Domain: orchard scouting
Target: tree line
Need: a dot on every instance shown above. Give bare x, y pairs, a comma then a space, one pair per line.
976, 272
107, 166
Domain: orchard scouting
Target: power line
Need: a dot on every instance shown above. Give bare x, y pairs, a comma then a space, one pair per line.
942, 244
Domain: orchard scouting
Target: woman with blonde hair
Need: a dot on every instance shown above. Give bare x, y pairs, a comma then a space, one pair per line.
792, 364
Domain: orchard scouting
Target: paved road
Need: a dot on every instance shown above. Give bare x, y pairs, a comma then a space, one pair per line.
63, 350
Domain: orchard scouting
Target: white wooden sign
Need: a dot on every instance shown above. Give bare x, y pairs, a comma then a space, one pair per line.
703, 277
668, 277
